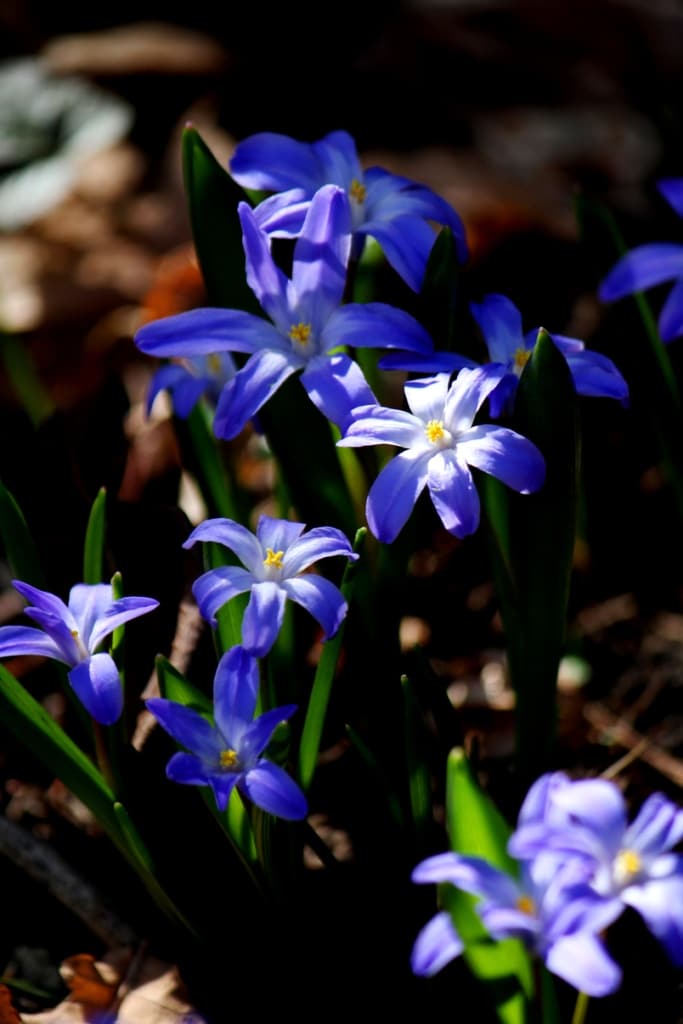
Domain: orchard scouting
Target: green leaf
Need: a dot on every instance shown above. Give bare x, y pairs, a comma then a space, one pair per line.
93, 552
18, 543
476, 827
439, 292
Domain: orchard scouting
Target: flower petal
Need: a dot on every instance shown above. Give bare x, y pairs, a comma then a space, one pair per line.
19, 640
597, 808
257, 735
250, 388
375, 325
222, 786
467, 394
277, 534
45, 601
501, 324
263, 617
282, 215
66, 638
657, 827
596, 375
659, 903
426, 398
205, 331
184, 387
264, 277
320, 542
472, 874
671, 315
97, 685
378, 424
339, 158
435, 946
582, 960
187, 768
406, 242
321, 598
235, 690
453, 493
505, 454
393, 494
336, 385
321, 256
231, 535
418, 362
271, 162
186, 726
270, 788
641, 268
672, 190
120, 611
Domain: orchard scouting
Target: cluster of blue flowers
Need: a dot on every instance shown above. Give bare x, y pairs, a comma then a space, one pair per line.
580, 865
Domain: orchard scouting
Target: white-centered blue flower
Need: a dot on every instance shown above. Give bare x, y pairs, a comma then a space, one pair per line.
306, 326
72, 634
393, 210
440, 445
275, 561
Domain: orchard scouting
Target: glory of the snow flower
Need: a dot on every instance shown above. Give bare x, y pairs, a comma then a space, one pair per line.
440, 444
393, 210
72, 634
275, 559
229, 751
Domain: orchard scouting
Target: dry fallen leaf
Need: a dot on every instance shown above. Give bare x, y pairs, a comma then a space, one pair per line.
8, 1015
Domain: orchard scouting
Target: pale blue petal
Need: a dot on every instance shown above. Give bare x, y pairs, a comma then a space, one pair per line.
672, 190
339, 159
427, 398
406, 242
435, 946
184, 387
270, 788
63, 634
503, 453
467, 394
659, 903
186, 726
565, 344
596, 376
393, 494
321, 256
282, 215
472, 874
336, 385
20, 640
199, 332
501, 324
320, 542
277, 534
375, 325
598, 807
502, 397
271, 162
44, 600
641, 268
264, 277
263, 617
97, 685
120, 611
378, 424
671, 315
582, 960
258, 733
508, 922
235, 691
321, 598
216, 587
87, 603
437, 362
251, 388
657, 827
231, 535
453, 493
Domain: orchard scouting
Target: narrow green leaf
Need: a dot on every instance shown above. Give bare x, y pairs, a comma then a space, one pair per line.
93, 552
438, 295
309, 746
17, 541
476, 827
219, 490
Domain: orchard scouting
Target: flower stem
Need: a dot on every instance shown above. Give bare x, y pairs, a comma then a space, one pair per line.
581, 1008
102, 754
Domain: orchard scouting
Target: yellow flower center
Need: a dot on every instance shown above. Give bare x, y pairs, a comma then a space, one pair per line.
300, 333
627, 864
526, 905
522, 357
228, 758
435, 431
358, 191
214, 363
273, 559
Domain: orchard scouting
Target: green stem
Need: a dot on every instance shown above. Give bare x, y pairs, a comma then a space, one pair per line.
102, 753
581, 1008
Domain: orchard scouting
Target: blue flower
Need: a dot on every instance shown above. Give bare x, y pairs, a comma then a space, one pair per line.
189, 380
650, 265
71, 634
631, 864
275, 559
306, 322
510, 350
440, 445
228, 753
393, 210
553, 912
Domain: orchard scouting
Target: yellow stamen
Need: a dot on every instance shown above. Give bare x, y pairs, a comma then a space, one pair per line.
434, 431
522, 357
627, 864
300, 333
273, 559
214, 363
526, 905
75, 634
228, 758
358, 191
